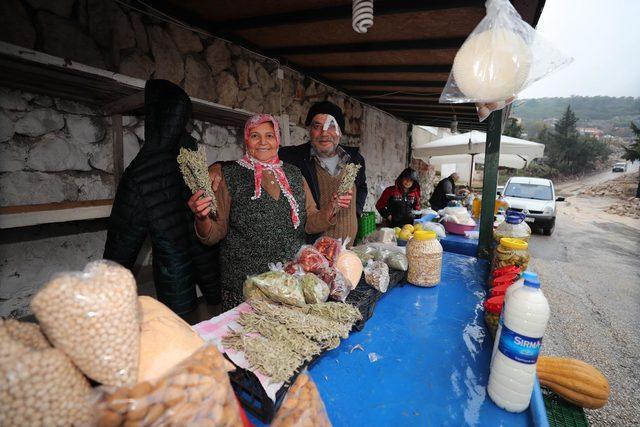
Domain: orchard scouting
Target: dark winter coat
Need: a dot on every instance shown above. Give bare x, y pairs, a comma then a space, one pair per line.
398, 202
439, 199
151, 200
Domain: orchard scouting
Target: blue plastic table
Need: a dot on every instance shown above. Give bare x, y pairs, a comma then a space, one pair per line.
425, 360
460, 245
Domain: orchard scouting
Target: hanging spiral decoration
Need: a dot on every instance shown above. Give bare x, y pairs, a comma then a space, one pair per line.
362, 15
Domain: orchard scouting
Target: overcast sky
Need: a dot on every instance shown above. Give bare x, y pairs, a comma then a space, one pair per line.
603, 37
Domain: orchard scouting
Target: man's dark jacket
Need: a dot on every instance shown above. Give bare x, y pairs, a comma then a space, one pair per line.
151, 200
439, 199
300, 156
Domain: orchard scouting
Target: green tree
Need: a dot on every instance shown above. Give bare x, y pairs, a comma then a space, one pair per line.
513, 128
632, 152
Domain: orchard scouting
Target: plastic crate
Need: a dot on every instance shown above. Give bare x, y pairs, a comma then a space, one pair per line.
366, 224
561, 413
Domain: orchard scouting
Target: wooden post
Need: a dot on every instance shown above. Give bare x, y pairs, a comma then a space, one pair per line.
489, 183
118, 157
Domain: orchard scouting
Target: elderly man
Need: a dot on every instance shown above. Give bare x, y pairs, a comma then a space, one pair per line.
322, 160
439, 198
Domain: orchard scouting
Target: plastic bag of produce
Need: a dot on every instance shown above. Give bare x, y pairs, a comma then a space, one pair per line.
39, 385
397, 261
436, 228
251, 291
92, 316
340, 287
376, 274
315, 290
502, 56
311, 259
385, 235
363, 254
195, 392
329, 247
281, 287
302, 406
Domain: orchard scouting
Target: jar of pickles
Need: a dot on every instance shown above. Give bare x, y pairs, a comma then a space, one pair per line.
511, 251
424, 253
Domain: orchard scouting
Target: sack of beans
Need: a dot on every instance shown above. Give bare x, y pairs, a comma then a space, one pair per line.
39, 386
196, 392
302, 406
92, 316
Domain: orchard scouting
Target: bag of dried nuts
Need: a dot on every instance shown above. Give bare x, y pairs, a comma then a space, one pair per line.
92, 316
302, 407
39, 386
196, 392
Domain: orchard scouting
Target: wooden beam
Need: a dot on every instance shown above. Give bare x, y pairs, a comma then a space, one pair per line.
126, 104
410, 83
118, 152
380, 46
427, 68
430, 103
331, 13
28, 215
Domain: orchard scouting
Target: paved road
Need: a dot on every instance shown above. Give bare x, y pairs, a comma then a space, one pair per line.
590, 270
572, 187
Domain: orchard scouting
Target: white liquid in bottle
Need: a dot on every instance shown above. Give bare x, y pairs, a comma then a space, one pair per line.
513, 367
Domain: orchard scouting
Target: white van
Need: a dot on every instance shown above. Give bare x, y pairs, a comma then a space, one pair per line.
536, 198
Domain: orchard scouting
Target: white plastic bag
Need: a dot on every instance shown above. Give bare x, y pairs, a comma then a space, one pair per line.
502, 56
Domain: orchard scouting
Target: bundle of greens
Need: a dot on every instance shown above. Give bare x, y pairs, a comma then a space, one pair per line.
193, 166
348, 178
278, 339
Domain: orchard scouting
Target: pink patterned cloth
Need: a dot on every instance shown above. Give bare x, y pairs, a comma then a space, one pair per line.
274, 165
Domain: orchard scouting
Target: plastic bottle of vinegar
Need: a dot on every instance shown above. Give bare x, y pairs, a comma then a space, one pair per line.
513, 367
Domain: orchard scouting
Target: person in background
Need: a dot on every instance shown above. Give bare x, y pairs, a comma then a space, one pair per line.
446, 186
397, 203
322, 161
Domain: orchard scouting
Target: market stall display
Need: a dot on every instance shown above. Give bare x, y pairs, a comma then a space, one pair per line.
424, 253
376, 274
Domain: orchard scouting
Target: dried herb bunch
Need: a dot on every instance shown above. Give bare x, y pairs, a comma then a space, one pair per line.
278, 339
349, 178
193, 165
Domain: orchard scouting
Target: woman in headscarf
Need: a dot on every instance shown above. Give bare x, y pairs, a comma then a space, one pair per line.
259, 228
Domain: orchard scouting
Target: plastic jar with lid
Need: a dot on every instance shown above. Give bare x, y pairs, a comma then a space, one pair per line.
513, 226
424, 253
511, 251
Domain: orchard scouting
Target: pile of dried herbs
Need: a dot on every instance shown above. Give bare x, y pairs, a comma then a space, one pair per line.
193, 166
277, 339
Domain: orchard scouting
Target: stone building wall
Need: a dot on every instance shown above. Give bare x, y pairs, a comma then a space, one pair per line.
54, 150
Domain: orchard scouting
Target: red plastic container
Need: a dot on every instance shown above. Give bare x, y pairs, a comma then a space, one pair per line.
506, 279
494, 304
499, 290
509, 269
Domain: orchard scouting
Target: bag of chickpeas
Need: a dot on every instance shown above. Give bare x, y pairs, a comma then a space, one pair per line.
196, 392
302, 406
39, 385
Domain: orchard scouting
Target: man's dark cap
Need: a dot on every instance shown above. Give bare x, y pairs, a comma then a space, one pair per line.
326, 107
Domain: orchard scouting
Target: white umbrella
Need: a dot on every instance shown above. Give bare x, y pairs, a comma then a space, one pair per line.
474, 143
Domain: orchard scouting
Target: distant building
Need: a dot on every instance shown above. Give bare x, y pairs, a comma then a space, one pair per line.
595, 132
550, 121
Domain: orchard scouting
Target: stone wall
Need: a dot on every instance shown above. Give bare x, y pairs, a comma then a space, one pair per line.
108, 35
